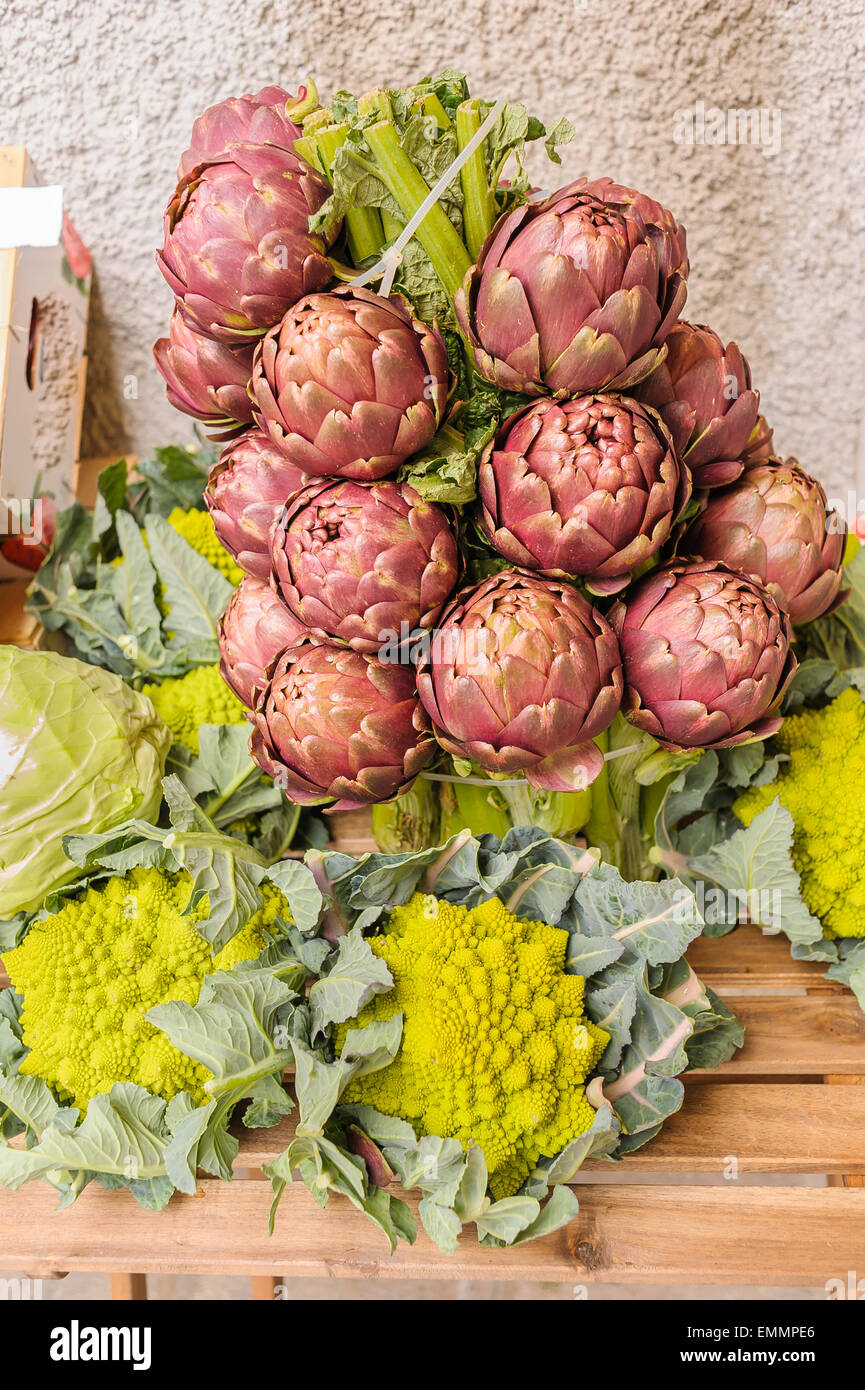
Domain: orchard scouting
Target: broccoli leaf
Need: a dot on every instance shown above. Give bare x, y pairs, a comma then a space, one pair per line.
232, 1030
850, 967
659, 920
354, 975
717, 1033
754, 871
441, 1224
560, 1210
299, 888
226, 870
122, 1140
176, 477
28, 1098
133, 585
195, 592
224, 768
504, 1220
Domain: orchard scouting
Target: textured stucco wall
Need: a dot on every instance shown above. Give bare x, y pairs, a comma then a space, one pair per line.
104, 94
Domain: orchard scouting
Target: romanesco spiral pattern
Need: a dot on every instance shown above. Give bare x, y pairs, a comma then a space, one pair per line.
90, 972
823, 788
184, 703
496, 1048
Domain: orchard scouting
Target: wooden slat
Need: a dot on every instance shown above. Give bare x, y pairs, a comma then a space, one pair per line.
769, 1129
708, 1235
746, 958
814, 1036
811, 1036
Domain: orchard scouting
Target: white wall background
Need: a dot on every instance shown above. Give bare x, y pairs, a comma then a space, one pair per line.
104, 93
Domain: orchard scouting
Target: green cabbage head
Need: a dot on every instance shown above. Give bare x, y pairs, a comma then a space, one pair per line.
80, 752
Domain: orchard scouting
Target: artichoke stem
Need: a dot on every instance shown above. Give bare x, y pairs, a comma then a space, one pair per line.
559, 813
431, 106
466, 806
409, 823
602, 828
436, 234
479, 204
377, 103
363, 226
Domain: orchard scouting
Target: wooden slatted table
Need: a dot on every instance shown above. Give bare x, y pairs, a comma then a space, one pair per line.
774, 1109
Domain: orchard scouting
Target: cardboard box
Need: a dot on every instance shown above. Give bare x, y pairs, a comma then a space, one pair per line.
45, 275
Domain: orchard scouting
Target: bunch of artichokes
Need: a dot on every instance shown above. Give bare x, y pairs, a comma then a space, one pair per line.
616, 450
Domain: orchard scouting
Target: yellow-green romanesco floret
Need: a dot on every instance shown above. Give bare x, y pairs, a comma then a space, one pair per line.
184, 703
823, 788
496, 1048
89, 973
196, 528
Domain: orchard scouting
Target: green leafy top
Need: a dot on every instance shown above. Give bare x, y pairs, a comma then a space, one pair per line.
144, 610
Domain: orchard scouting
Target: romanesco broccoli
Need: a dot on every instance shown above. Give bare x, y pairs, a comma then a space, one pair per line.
196, 528
823, 788
90, 972
184, 703
496, 1048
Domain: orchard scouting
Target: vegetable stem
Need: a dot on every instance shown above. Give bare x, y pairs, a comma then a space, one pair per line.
302, 107
377, 103
431, 106
436, 234
602, 826
363, 225
479, 204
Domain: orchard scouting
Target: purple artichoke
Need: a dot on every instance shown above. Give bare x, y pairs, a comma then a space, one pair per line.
247, 489
521, 675
349, 385
356, 561
338, 725
703, 393
255, 627
251, 120
759, 447
706, 655
587, 487
205, 379
237, 251
577, 293
774, 523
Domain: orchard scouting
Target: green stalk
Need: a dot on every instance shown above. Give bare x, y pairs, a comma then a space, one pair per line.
436, 234
431, 106
559, 813
602, 827
466, 806
307, 148
377, 103
317, 120
363, 225
479, 204
411, 822
301, 109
